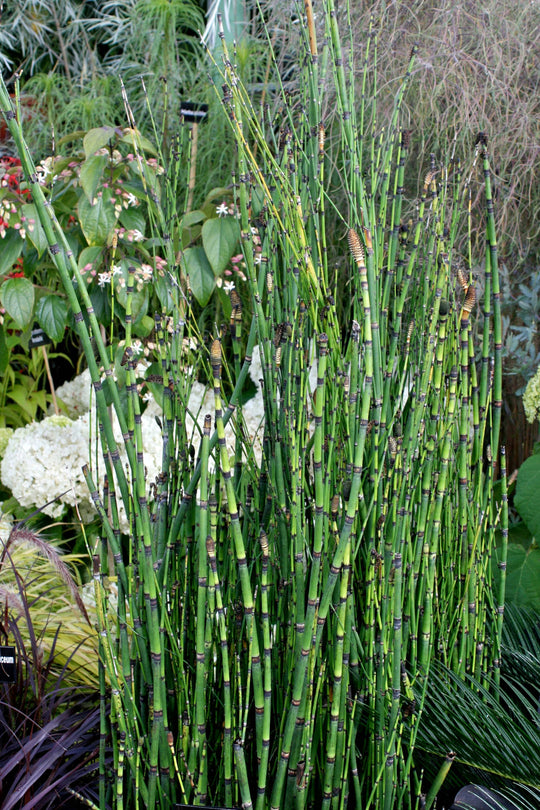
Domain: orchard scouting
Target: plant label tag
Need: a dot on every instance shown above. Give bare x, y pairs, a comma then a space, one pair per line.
38, 338
7, 664
193, 113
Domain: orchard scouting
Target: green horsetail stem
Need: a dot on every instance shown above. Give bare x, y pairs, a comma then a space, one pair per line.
247, 594
502, 564
227, 701
199, 737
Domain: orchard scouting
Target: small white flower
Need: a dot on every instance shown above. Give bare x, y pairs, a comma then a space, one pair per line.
258, 258
222, 210
228, 286
104, 278
115, 269
44, 171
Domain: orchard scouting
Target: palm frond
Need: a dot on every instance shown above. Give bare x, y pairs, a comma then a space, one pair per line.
475, 797
497, 734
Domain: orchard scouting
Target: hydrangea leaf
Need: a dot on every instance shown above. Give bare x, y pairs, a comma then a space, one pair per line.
28, 404
52, 316
220, 240
17, 296
97, 220
201, 275
527, 496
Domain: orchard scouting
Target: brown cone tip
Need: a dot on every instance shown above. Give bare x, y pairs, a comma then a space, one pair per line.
462, 279
470, 299
355, 245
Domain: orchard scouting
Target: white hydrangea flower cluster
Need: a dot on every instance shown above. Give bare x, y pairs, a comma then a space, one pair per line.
531, 398
42, 464
76, 394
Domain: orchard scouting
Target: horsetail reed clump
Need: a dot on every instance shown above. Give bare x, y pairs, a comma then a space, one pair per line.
277, 617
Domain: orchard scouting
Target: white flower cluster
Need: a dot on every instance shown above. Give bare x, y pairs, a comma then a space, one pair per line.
44, 459
531, 398
42, 464
76, 394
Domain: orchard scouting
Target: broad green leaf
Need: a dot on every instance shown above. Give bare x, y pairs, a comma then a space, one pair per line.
201, 276
89, 255
98, 138
97, 220
190, 235
162, 288
34, 229
133, 218
139, 301
135, 139
225, 301
10, 249
101, 303
523, 575
220, 193
192, 218
92, 175
52, 316
143, 327
220, 241
527, 497
190, 227
29, 402
17, 296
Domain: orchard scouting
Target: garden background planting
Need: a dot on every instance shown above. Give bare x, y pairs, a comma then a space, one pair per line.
295, 521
